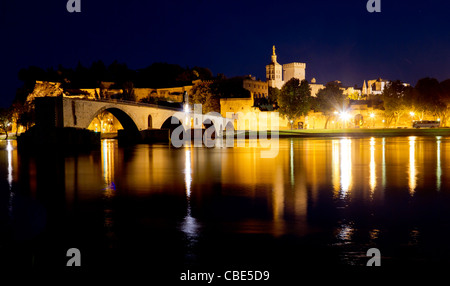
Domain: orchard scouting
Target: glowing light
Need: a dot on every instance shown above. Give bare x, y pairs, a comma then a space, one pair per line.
187, 172
291, 160
412, 164
372, 180
411, 113
438, 163
190, 224
108, 147
335, 171
383, 144
372, 115
186, 108
346, 166
9, 149
345, 115
108, 167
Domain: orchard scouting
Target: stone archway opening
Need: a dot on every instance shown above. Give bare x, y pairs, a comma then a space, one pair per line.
359, 120
105, 122
175, 127
112, 121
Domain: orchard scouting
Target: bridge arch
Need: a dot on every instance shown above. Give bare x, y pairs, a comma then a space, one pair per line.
124, 118
174, 123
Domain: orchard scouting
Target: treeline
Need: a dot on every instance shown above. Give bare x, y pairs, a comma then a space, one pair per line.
157, 75
428, 97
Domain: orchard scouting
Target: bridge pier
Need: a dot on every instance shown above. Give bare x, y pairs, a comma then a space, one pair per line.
155, 135
58, 137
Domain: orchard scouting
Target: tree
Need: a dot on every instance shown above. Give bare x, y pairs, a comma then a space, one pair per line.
128, 91
26, 118
5, 120
274, 93
294, 99
203, 93
396, 100
427, 97
330, 99
443, 112
17, 109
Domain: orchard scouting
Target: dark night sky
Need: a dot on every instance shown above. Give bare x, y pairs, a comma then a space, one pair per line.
340, 40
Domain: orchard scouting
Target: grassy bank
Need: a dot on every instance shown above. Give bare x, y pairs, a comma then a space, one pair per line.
10, 136
381, 132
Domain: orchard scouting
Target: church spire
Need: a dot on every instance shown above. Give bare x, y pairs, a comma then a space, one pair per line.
274, 56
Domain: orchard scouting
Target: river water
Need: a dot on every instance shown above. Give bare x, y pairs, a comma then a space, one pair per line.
320, 203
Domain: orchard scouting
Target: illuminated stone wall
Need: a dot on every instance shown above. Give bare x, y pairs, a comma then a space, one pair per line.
292, 70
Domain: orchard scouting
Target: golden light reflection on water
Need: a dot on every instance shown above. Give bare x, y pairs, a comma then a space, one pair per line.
438, 163
189, 225
383, 163
335, 167
9, 149
291, 161
341, 162
108, 148
298, 177
373, 176
108, 164
412, 172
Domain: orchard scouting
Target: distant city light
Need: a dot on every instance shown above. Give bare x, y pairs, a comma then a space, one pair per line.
345, 115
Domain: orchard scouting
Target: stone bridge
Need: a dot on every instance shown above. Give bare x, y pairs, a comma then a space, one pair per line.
134, 117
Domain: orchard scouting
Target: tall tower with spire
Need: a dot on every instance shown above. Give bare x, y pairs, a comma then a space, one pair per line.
364, 88
274, 71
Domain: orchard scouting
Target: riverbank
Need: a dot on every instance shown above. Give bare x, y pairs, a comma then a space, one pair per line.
381, 132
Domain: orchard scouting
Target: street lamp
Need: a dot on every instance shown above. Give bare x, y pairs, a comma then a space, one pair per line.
344, 116
412, 116
372, 115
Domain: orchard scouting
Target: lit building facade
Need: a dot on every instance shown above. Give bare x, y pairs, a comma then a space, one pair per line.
277, 74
